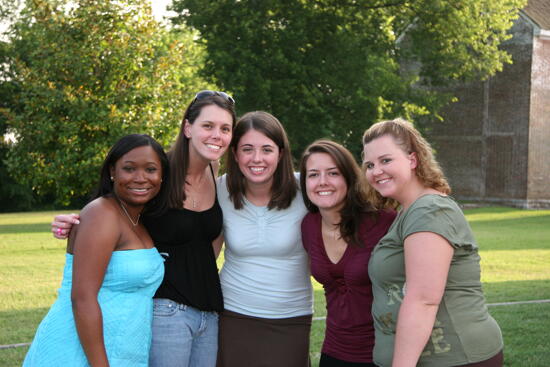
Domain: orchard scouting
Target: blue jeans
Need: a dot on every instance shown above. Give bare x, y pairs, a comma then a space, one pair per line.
183, 336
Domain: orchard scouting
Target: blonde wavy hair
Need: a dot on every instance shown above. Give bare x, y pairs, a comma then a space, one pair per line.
409, 140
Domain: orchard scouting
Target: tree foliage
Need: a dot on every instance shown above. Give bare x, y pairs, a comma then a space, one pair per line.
12, 195
81, 75
329, 68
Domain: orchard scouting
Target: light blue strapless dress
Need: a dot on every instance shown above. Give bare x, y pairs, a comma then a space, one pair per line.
125, 297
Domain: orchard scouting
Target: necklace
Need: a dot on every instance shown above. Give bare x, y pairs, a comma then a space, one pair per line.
331, 233
194, 202
128, 215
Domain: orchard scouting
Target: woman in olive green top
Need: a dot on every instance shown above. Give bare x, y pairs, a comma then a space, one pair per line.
429, 308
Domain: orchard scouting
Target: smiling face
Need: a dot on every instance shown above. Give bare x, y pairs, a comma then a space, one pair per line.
257, 157
137, 176
210, 134
326, 187
389, 169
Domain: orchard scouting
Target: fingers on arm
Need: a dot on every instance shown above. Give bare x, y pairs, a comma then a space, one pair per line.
62, 224
217, 245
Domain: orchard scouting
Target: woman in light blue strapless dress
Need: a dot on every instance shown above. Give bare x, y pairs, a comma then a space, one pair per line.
104, 309
125, 298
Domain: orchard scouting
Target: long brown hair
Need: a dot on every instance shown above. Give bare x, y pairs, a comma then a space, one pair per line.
284, 186
409, 140
178, 155
356, 204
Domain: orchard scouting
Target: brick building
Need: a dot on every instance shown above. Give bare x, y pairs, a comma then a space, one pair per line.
494, 145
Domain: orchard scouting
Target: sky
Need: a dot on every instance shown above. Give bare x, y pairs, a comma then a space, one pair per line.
159, 8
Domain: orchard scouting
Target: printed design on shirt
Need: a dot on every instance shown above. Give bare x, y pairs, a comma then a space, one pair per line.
395, 295
387, 320
436, 343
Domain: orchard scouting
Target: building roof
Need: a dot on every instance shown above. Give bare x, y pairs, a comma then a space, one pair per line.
539, 12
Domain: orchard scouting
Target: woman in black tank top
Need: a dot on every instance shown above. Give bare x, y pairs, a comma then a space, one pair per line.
188, 236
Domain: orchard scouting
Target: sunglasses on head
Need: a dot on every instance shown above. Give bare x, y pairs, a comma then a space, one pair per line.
209, 93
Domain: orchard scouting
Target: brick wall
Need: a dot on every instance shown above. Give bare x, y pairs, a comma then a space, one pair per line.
538, 187
494, 144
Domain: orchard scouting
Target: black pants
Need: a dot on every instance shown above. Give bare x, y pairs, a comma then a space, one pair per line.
328, 361
495, 361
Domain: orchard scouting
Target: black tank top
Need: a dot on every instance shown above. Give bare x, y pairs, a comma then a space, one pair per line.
184, 238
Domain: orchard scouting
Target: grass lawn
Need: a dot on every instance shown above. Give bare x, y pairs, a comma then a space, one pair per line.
515, 251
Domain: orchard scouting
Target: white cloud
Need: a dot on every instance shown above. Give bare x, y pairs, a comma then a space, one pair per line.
159, 9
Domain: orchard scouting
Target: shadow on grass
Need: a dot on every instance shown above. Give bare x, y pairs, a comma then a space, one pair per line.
25, 228
525, 331
19, 326
12, 357
527, 233
540, 220
517, 290
504, 211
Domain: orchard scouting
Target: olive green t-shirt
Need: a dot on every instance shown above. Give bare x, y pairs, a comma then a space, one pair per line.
463, 332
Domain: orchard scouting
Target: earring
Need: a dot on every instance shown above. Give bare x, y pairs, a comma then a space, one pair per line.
112, 178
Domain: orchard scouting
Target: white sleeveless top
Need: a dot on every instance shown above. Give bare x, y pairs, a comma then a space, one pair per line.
266, 270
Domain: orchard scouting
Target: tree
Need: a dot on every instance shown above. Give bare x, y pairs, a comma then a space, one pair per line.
330, 68
82, 74
8, 9
12, 195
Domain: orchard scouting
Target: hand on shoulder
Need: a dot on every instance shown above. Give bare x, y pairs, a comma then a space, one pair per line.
62, 224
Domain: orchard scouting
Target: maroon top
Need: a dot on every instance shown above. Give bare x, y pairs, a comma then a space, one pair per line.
349, 334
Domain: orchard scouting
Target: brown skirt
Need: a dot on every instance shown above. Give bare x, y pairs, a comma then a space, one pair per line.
258, 342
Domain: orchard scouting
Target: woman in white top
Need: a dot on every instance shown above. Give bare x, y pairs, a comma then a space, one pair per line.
265, 278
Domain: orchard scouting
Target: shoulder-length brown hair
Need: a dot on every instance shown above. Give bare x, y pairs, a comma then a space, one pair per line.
178, 155
284, 186
356, 203
409, 140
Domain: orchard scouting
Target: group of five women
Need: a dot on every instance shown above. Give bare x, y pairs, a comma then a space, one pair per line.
418, 268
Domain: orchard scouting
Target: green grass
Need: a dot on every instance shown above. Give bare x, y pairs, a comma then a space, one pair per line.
515, 251
514, 246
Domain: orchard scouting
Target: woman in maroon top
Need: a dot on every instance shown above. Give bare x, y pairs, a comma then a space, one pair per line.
339, 233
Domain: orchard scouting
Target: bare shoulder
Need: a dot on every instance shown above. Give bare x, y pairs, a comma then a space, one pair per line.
102, 210
99, 227
215, 167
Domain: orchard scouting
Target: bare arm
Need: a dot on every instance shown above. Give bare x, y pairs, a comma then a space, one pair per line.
62, 224
427, 261
217, 245
93, 246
